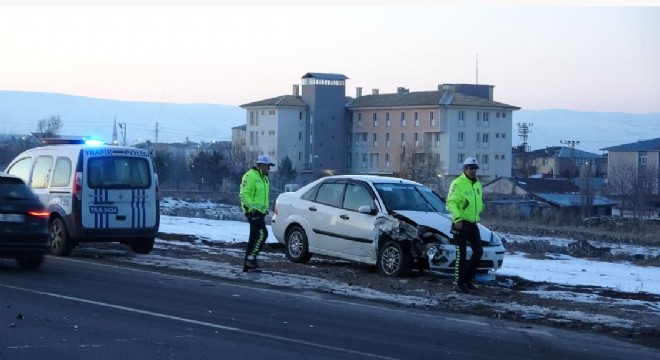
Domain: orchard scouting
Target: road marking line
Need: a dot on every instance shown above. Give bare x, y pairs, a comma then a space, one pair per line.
197, 322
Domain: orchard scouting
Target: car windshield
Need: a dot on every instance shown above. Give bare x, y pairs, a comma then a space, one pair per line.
410, 197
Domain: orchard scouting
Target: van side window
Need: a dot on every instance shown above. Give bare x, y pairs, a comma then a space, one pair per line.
21, 169
62, 172
41, 172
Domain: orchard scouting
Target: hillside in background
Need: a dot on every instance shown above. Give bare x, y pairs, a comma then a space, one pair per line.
21, 111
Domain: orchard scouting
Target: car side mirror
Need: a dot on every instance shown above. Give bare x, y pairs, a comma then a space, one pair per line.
366, 209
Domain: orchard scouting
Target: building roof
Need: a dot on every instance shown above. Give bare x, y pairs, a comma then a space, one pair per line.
283, 100
643, 145
539, 185
240, 127
563, 152
568, 200
324, 76
425, 98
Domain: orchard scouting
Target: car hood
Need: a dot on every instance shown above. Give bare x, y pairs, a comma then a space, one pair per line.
440, 222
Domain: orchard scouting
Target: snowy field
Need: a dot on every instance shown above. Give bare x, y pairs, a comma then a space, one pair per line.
559, 269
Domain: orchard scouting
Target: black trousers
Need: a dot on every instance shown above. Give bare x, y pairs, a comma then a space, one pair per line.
258, 235
464, 271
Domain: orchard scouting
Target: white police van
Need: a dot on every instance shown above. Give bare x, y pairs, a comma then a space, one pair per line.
93, 192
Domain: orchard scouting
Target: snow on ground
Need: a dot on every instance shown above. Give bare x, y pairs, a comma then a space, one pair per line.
559, 269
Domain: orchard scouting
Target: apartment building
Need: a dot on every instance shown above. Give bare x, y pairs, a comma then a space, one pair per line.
451, 123
325, 132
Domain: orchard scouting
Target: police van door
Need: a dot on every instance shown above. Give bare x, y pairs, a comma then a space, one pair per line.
120, 189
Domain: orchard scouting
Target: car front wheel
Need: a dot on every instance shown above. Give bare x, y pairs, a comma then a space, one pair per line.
60, 241
297, 248
394, 259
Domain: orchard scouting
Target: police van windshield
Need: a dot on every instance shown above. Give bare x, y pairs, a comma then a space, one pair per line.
118, 172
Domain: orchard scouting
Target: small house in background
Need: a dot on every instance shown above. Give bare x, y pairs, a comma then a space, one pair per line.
530, 196
559, 162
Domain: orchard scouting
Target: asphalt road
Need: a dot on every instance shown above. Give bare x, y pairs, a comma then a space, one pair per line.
82, 309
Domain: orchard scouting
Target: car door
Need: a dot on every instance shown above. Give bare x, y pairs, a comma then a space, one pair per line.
354, 228
322, 214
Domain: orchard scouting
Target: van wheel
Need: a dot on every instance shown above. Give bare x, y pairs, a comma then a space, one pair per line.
143, 246
30, 263
60, 241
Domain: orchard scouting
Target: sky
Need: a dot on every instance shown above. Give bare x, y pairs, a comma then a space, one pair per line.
580, 55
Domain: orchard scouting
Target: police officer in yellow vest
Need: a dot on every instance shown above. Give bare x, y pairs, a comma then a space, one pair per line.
255, 189
464, 203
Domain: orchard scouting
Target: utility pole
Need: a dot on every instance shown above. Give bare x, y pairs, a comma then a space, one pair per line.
524, 129
572, 144
122, 127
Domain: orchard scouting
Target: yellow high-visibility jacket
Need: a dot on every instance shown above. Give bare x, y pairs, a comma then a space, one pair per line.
255, 189
464, 200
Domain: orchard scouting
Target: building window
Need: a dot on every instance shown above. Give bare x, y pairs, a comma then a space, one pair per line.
416, 118
416, 139
359, 120
436, 139
375, 120
478, 118
478, 140
502, 157
497, 156
388, 123
503, 135
497, 114
485, 138
460, 158
403, 139
486, 122
432, 118
484, 161
461, 118
387, 139
403, 119
461, 139
387, 161
641, 158
503, 114
497, 135
375, 139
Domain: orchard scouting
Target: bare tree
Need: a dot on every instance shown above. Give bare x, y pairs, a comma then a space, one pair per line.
587, 193
632, 184
420, 164
49, 127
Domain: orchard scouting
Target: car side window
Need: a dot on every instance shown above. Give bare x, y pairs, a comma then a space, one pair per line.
330, 194
21, 169
41, 172
357, 196
62, 172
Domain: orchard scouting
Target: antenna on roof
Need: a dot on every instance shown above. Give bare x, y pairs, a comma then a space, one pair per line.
477, 68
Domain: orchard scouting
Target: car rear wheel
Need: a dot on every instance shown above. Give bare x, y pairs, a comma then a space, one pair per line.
394, 259
143, 246
297, 248
60, 241
30, 263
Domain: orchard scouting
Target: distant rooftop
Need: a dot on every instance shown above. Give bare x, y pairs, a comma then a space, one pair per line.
642, 145
324, 76
426, 98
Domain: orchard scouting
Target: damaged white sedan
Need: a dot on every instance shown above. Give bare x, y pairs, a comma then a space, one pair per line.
396, 224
